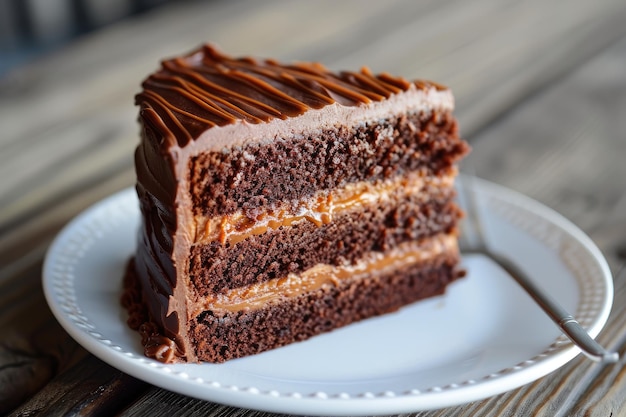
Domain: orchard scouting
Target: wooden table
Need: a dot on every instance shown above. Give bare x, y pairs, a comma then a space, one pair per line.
541, 96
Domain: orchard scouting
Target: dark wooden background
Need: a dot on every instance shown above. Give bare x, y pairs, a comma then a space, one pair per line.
541, 95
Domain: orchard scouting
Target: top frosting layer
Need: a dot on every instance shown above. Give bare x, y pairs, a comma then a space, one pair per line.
206, 89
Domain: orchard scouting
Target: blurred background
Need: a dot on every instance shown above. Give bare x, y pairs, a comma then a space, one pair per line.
29, 28
517, 46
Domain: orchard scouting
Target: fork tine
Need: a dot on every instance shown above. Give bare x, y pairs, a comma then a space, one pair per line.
464, 226
474, 213
472, 235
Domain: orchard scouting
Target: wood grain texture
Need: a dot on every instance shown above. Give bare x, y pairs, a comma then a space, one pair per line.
89, 388
541, 94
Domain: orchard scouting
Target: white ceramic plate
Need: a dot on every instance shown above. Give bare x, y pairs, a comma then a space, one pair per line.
484, 337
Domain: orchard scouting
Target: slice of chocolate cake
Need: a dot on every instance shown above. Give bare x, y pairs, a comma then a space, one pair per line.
283, 201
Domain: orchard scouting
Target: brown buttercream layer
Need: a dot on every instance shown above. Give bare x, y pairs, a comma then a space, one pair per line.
215, 267
260, 175
222, 337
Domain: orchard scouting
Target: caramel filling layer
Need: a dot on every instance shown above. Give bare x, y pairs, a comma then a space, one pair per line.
257, 296
319, 210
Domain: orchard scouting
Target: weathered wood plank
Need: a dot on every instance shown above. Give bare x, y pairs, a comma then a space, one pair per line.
565, 148
89, 388
161, 403
33, 347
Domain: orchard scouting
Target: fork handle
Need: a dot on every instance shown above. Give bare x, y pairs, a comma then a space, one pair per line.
568, 324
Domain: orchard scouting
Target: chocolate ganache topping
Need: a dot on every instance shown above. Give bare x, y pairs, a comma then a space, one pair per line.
207, 88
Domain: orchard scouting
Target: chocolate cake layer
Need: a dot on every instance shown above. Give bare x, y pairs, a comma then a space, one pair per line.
215, 267
320, 208
218, 337
260, 295
258, 175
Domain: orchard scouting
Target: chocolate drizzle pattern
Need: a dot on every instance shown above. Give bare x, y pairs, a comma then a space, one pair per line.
206, 88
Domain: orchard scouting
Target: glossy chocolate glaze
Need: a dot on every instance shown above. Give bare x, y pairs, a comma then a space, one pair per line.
206, 88
207, 101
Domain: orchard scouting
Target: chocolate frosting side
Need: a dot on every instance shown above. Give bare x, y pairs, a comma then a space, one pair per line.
207, 101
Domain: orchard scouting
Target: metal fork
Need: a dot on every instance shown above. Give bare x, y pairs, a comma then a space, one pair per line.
472, 227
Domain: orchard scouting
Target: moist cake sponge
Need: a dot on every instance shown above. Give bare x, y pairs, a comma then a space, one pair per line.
280, 201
